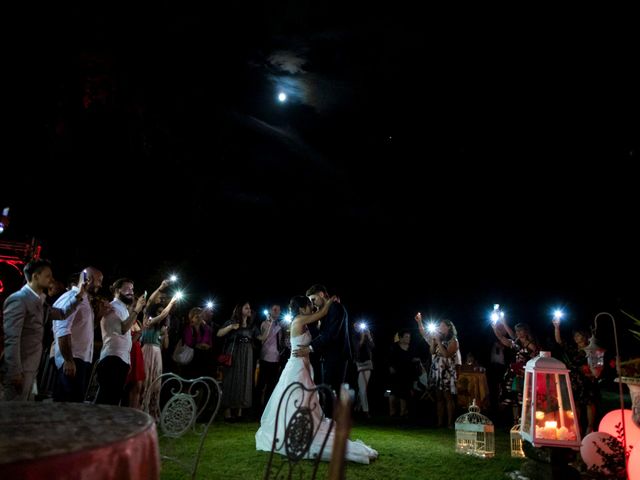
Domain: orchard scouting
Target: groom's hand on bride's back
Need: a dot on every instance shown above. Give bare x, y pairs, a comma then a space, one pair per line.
301, 351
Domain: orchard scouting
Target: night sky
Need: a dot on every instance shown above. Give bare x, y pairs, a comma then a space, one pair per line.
424, 160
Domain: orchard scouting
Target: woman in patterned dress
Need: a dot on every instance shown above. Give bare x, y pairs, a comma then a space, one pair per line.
445, 355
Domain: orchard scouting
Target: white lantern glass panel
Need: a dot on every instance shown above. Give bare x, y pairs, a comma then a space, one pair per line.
548, 410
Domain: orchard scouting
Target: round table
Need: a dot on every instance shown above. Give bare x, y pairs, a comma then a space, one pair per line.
473, 384
76, 441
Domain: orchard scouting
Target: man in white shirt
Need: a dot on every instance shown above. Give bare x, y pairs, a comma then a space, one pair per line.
269, 372
115, 356
73, 346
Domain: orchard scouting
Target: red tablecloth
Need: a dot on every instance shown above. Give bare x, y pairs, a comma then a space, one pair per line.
74, 441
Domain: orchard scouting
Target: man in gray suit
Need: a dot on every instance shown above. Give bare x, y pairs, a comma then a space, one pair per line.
25, 312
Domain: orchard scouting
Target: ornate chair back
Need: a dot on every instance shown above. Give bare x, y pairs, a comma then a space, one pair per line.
182, 407
299, 406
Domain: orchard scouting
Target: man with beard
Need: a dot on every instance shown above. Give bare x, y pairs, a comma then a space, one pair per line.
73, 347
115, 356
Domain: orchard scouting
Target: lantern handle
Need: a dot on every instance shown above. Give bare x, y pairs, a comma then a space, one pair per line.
619, 372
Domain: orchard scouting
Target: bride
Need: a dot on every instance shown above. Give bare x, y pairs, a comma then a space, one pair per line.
298, 369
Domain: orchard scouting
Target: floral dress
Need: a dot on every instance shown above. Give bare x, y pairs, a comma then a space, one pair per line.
443, 375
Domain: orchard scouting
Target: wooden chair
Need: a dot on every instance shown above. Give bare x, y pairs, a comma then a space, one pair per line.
298, 404
186, 407
342, 431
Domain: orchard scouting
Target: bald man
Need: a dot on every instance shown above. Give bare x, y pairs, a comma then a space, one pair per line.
73, 345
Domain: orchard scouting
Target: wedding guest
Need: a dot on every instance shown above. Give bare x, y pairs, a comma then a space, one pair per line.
364, 363
445, 354
154, 338
525, 348
199, 336
24, 316
237, 383
584, 379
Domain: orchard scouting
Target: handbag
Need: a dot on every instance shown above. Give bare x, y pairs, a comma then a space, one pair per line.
183, 354
226, 359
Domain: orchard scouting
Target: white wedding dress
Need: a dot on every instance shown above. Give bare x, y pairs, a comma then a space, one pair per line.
298, 369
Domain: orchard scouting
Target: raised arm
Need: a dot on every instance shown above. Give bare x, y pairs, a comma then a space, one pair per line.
500, 336
133, 315
154, 295
423, 332
63, 311
225, 330
300, 320
162, 315
556, 331
265, 334
331, 325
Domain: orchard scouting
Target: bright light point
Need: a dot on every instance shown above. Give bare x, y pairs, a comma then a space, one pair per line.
558, 314
209, 305
265, 312
173, 278
178, 295
362, 326
495, 317
496, 306
288, 317
282, 97
431, 327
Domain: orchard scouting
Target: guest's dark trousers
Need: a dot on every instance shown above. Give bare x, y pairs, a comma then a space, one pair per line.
268, 376
73, 389
112, 374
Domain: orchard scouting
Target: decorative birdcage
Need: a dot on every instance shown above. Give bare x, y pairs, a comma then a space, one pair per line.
475, 434
548, 410
516, 441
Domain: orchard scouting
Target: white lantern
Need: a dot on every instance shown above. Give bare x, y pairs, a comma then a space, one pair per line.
475, 434
549, 416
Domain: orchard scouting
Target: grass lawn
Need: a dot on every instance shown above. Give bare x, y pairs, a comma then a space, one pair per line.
406, 452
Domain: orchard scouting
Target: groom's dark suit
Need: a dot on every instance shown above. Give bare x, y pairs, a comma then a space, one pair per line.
332, 348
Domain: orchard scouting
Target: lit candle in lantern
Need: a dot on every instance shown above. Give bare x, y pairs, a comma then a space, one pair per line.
550, 431
539, 415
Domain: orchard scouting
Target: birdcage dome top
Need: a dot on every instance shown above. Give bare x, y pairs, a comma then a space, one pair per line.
474, 417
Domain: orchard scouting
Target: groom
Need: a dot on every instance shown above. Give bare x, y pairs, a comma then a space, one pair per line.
331, 348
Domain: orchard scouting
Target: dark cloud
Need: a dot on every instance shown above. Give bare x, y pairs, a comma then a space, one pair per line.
467, 155
288, 61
